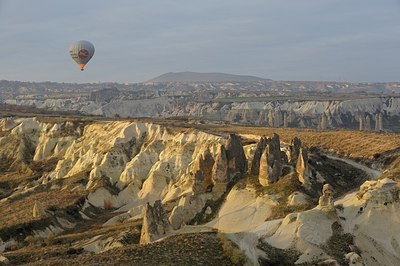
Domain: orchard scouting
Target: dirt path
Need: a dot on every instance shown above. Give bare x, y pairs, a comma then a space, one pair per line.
374, 174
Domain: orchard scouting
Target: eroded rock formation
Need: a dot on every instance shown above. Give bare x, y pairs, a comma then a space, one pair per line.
302, 167
380, 192
294, 150
187, 208
220, 176
155, 223
203, 172
237, 162
326, 200
38, 210
297, 198
4, 260
255, 164
271, 162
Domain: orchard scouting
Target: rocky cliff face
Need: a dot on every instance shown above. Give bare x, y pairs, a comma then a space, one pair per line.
381, 112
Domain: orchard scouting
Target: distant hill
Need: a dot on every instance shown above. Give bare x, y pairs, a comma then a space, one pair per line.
202, 77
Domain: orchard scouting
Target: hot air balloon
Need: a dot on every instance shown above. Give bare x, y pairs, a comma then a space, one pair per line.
81, 52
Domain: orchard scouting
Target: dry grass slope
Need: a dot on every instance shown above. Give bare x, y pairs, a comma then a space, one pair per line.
355, 144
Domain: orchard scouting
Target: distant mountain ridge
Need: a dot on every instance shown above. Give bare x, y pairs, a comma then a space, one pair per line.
202, 77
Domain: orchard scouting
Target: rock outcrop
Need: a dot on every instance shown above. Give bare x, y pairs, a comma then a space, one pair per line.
4, 260
361, 230
354, 259
237, 162
38, 210
382, 191
294, 150
255, 164
302, 167
367, 122
378, 122
271, 162
155, 223
361, 122
298, 198
203, 173
220, 175
220, 167
188, 207
305, 231
326, 202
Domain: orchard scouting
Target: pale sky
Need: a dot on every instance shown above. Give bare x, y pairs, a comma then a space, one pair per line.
342, 40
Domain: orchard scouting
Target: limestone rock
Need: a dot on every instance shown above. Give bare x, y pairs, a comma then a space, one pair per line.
294, 150
155, 223
102, 243
285, 119
306, 231
378, 122
38, 210
379, 192
271, 118
354, 259
198, 183
271, 162
7, 124
4, 260
298, 198
264, 171
362, 122
323, 124
368, 123
302, 167
187, 208
255, 165
220, 167
237, 162
326, 200
203, 172
220, 175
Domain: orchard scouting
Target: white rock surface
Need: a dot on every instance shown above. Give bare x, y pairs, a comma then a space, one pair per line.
243, 210
298, 198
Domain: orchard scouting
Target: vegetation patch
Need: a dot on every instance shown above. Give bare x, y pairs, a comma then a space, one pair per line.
44, 166
338, 245
21, 230
276, 256
281, 210
231, 250
283, 188
342, 176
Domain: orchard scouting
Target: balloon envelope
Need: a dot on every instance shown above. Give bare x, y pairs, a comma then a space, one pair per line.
81, 52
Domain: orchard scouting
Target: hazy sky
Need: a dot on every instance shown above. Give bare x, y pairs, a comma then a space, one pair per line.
343, 40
